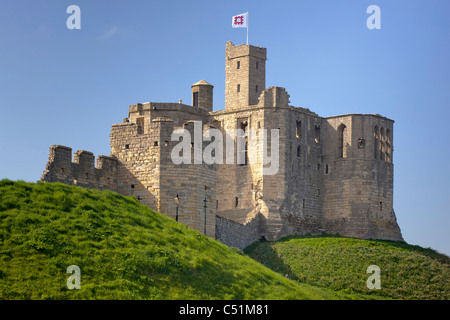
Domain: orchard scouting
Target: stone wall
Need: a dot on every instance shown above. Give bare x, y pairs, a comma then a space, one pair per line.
194, 185
81, 171
301, 205
236, 182
143, 145
238, 235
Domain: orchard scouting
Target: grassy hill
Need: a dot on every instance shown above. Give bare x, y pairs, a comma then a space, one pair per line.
124, 251
127, 251
338, 263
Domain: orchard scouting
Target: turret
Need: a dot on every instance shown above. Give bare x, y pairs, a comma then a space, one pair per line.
202, 95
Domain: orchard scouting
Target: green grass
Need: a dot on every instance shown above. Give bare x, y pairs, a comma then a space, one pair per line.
124, 251
339, 263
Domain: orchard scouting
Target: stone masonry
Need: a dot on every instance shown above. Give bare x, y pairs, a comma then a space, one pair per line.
335, 174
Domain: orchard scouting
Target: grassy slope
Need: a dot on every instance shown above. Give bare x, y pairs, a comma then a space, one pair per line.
124, 251
407, 272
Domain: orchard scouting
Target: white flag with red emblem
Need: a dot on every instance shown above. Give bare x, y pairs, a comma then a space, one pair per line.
240, 21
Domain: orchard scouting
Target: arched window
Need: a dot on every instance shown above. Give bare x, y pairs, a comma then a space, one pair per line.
317, 133
298, 128
341, 131
382, 143
388, 146
375, 142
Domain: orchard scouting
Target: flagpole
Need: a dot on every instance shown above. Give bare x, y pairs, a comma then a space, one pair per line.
247, 27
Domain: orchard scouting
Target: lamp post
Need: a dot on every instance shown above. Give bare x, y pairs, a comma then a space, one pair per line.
177, 201
204, 206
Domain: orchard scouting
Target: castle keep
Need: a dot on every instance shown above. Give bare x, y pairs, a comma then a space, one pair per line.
335, 174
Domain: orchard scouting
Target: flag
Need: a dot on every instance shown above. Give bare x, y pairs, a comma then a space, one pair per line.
240, 21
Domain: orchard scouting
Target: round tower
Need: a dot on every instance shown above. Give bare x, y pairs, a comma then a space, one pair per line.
202, 95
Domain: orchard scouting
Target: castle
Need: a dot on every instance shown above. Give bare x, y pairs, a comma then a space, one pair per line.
335, 174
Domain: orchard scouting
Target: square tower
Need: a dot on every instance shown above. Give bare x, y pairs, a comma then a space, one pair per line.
245, 75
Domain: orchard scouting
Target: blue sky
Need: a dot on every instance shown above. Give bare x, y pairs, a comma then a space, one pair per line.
61, 86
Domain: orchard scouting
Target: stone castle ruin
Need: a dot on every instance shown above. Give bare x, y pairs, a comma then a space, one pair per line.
335, 174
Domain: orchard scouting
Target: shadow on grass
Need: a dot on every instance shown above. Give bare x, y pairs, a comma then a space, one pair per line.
264, 253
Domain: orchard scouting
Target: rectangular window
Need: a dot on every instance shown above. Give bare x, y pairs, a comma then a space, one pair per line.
256, 88
341, 133
257, 64
388, 146
242, 142
246, 152
195, 99
238, 64
238, 88
375, 142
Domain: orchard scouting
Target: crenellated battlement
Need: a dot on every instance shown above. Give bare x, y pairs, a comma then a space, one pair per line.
82, 170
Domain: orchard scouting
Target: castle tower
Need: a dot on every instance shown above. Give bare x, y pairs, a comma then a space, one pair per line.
358, 176
245, 75
202, 95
